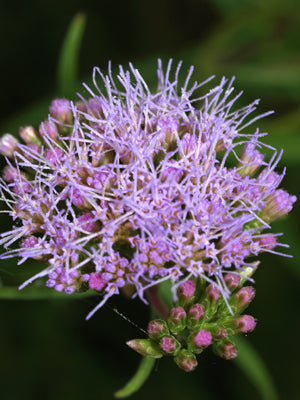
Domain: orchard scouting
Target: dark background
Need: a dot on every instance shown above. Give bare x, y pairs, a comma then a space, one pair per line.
47, 348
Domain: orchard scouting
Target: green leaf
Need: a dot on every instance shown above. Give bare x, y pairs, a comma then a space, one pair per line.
165, 293
40, 293
254, 368
138, 379
289, 226
67, 72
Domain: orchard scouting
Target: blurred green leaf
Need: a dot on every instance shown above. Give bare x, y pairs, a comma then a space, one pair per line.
165, 293
254, 368
291, 236
138, 379
43, 293
67, 72
249, 36
282, 78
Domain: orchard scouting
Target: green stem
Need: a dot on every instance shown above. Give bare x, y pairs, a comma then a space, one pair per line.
138, 379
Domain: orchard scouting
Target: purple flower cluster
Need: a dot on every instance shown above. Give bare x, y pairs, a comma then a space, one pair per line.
135, 187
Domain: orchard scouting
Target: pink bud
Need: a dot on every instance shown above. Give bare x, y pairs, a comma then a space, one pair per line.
186, 360
10, 173
169, 344
186, 291
278, 204
60, 110
245, 323
177, 314
48, 130
28, 135
177, 319
196, 312
202, 339
244, 297
232, 281
225, 349
220, 333
8, 144
212, 294
195, 315
251, 160
268, 242
157, 328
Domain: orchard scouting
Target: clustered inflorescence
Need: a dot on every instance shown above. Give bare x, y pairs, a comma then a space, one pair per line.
198, 319
134, 187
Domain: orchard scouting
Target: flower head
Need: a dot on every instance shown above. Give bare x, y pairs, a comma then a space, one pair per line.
134, 187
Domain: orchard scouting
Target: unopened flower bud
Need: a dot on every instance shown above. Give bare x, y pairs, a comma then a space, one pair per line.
169, 345
225, 349
219, 332
60, 110
28, 135
48, 129
277, 205
232, 281
8, 144
177, 319
211, 299
195, 316
157, 328
251, 160
241, 324
186, 292
186, 360
244, 324
10, 174
199, 341
145, 347
268, 242
240, 300
212, 294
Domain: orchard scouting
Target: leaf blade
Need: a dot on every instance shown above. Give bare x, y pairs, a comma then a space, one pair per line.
254, 368
67, 70
13, 293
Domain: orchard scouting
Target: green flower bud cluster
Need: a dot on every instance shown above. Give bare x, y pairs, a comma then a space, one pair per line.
199, 318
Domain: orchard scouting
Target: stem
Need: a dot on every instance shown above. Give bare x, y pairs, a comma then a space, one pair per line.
156, 303
138, 379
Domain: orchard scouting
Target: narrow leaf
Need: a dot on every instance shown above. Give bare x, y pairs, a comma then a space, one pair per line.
67, 72
138, 379
254, 368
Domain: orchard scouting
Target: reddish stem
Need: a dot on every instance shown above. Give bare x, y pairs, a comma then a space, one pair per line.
157, 304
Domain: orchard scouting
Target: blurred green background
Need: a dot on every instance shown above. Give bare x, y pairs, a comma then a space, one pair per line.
47, 348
